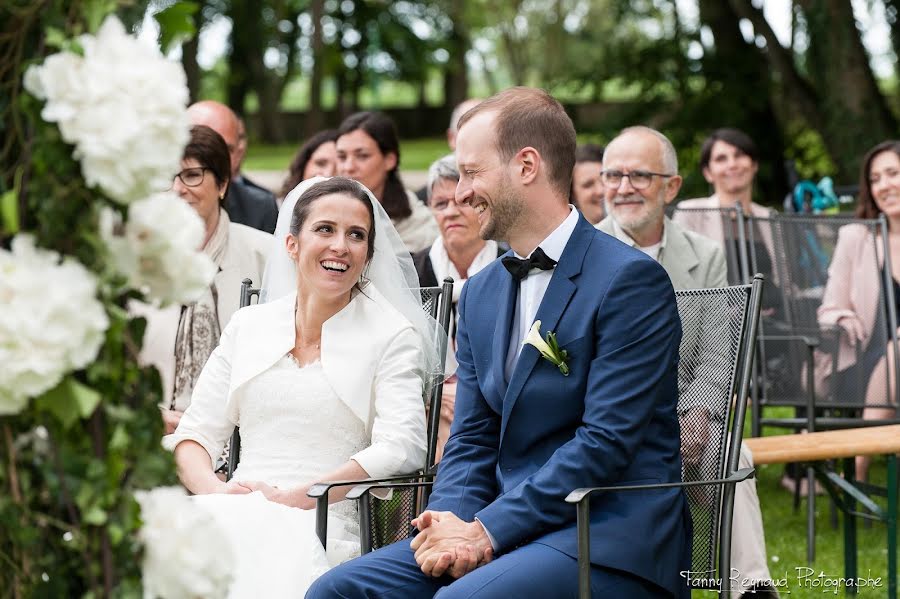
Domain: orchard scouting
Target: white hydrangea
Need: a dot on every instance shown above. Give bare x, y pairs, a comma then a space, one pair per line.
51, 321
186, 553
122, 105
157, 248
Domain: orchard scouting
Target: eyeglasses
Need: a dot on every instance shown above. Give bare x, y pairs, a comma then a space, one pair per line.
638, 179
191, 177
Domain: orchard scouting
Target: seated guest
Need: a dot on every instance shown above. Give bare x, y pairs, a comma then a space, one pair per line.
640, 177
368, 151
587, 189
179, 339
528, 430
459, 252
246, 202
325, 381
315, 158
853, 294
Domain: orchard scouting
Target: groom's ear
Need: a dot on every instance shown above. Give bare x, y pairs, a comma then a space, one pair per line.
528, 165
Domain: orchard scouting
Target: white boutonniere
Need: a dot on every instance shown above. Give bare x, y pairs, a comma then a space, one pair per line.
549, 349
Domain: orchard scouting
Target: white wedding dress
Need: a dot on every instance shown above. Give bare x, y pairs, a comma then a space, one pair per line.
294, 429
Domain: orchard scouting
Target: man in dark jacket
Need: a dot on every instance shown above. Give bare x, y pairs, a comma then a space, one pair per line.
246, 202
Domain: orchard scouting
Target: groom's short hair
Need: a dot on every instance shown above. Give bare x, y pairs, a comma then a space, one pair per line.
526, 117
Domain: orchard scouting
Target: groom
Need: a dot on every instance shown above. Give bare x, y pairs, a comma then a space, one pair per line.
525, 434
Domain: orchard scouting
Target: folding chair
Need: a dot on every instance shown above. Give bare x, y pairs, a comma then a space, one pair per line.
714, 372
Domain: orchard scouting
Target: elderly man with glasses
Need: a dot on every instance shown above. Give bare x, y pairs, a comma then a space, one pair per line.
640, 177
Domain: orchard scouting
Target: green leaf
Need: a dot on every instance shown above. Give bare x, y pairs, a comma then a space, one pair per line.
54, 38
95, 515
9, 212
69, 401
95, 11
176, 24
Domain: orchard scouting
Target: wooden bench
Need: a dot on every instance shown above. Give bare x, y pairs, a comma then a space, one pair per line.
844, 445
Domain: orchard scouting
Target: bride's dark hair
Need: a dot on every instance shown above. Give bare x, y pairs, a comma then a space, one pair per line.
340, 185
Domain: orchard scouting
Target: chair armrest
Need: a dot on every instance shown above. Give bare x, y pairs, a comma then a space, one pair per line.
735, 477
360, 490
809, 340
317, 490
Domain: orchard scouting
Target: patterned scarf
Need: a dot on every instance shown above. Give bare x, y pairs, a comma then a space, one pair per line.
198, 328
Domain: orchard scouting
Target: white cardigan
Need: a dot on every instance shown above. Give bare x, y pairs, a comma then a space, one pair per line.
371, 356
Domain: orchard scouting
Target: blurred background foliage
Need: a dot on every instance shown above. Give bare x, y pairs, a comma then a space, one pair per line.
812, 95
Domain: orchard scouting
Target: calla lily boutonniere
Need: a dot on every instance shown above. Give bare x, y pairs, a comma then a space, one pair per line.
549, 349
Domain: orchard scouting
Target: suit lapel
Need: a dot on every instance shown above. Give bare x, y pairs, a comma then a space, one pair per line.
507, 296
554, 303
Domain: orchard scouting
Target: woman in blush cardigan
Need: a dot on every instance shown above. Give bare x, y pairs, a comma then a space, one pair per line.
852, 299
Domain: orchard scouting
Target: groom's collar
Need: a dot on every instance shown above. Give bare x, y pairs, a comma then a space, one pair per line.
554, 244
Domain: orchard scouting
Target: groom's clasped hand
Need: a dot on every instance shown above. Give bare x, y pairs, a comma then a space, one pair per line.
448, 545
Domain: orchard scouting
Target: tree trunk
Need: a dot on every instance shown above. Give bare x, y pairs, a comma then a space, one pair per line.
315, 117
741, 70
855, 111
456, 76
189, 58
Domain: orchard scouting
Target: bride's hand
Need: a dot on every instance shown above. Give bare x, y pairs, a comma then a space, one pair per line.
295, 497
233, 488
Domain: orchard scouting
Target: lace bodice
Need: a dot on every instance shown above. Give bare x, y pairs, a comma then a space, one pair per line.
294, 428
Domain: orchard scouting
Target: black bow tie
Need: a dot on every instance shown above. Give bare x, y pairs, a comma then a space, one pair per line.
520, 267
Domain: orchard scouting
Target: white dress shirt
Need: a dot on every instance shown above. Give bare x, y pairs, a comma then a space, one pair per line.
533, 287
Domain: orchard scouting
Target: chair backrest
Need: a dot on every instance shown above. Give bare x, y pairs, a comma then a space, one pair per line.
389, 521
234, 445
715, 356
796, 254
725, 225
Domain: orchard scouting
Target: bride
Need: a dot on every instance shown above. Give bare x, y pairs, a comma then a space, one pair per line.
325, 380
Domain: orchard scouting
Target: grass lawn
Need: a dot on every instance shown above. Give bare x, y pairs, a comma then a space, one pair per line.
786, 538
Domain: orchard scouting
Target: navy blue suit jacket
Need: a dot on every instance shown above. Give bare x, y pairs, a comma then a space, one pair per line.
517, 449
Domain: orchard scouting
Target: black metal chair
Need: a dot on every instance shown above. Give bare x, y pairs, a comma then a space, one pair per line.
731, 223
714, 372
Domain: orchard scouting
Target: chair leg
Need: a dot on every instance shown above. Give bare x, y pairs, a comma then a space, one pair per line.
810, 514
892, 525
849, 525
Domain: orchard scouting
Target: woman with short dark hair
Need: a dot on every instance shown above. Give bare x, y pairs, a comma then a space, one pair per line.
368, 150
179, 339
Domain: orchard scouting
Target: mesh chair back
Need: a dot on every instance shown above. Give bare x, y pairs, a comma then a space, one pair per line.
725, 225
389, 518
796, 260
713, 325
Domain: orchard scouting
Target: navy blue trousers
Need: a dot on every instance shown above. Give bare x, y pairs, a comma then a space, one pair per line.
533, 570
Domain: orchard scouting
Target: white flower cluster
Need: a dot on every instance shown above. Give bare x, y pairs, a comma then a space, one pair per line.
122, 105
157, 248
51, 322
186, 553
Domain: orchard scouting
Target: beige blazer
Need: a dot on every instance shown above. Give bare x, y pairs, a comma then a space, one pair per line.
371, 356
692, 260
245, 257
851, 294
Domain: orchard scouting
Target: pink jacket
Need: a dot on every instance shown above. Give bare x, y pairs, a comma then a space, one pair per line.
852, 292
